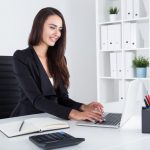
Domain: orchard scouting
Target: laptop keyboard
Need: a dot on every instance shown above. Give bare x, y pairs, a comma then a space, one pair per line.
112, 119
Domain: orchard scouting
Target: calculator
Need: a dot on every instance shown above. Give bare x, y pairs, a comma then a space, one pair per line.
55, 140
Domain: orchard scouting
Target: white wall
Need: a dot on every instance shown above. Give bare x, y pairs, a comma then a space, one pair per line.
16, 20
82, 50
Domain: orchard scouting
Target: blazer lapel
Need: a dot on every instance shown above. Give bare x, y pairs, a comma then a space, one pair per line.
46, 86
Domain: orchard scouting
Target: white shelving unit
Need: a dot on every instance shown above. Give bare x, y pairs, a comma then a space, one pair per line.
119, 42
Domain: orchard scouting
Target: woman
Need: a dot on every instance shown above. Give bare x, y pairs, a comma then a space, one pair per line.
42, 72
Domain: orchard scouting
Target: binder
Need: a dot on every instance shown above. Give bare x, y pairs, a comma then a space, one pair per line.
116, 36
119, 65
126, 87
104, 38
113, 65
110, 37
133, 36
129, 9
129, 70
136, 9
120, 90
127, 35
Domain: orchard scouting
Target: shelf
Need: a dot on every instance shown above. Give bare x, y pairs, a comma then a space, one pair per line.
134, 78
136, 49
104, 77
118, 43
110, 22
137, 78
119, 50
142, 19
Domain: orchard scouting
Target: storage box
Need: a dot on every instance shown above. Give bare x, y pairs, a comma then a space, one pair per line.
145, 120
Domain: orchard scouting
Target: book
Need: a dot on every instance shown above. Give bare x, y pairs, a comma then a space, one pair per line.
31, 125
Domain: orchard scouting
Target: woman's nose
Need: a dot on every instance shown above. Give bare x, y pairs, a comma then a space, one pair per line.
57, 32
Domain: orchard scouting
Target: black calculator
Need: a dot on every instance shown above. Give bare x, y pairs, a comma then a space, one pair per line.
55, 140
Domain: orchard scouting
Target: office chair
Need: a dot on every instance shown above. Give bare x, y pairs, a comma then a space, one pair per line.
9, 89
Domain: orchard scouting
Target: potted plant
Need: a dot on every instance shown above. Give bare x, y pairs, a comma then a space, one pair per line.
141, 63
113, 11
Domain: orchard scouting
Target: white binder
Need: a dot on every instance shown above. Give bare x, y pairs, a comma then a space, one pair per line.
117, 36
126, 86
110, 37
129, 70
104, 38
129, 9
113, 65
136, 9
127, 35
114, 37
120, 90
119, 65
133, 36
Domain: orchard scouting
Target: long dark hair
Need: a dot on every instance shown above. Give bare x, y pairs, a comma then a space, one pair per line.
55, 54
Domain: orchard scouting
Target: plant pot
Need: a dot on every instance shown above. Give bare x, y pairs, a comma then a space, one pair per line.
141, 72
113, 17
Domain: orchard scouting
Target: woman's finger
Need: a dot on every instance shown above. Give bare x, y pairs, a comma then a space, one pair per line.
97, 103
95, 116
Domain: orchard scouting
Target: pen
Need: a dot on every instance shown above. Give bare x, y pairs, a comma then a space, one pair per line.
146, 104
147, 99
21, 125
148, 96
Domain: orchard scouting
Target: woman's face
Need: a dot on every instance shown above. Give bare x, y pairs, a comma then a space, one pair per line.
51, 30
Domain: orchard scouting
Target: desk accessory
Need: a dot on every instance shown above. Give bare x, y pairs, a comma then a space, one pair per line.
55, 140
146, 115
31, 125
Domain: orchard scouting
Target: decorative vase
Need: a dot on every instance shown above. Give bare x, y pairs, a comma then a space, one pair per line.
141, 72
113, 17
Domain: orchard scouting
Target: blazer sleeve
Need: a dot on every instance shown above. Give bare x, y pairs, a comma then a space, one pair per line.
64, 98
31, 90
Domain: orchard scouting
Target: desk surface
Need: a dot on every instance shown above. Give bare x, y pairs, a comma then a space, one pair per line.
126, 138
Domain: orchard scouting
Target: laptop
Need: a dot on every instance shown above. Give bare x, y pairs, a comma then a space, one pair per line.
116, 120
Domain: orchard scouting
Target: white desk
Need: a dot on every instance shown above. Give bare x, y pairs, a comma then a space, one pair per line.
128, 137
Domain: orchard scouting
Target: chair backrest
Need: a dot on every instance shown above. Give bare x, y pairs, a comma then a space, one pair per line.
9, 89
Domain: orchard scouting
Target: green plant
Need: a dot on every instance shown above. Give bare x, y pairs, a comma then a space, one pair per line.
113, 10
140, 62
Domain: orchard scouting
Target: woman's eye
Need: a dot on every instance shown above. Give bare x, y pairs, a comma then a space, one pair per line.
52, 28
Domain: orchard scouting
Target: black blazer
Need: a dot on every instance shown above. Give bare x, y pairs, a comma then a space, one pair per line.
37, 93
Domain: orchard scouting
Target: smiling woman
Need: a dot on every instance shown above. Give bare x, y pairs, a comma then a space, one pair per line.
42, 72
52, 30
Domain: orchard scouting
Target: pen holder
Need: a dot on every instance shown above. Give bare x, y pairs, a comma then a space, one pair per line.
145, 120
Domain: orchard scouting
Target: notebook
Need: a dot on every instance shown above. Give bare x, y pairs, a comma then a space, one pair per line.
32, 125
116, 120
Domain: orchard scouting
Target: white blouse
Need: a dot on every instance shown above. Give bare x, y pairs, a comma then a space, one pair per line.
52, 81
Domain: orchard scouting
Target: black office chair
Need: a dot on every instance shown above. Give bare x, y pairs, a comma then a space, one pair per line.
9, 90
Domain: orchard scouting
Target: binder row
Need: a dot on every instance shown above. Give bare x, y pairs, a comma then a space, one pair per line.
133, 10
116, 65
111, 36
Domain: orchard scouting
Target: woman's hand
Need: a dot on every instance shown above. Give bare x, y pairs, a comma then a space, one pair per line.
93, 107
86, 115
